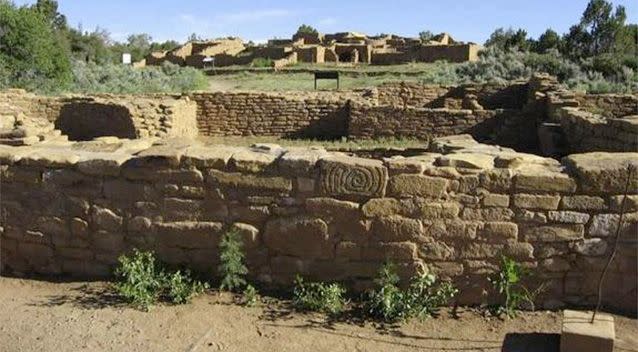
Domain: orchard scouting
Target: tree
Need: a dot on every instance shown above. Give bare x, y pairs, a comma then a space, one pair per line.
306, 29
426, 36
30, 48
95, 46
548, 40
194, 38
49, 9
596, 32
508, 39
139, 45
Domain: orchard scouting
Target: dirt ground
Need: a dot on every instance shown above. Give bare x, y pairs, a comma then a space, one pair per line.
44, 316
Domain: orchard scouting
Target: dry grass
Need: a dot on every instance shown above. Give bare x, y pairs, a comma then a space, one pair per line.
343, 144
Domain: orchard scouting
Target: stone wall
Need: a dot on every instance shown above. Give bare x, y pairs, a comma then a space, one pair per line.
593, 122
368, 122
87, 117
489, 96
308, 115
73, 210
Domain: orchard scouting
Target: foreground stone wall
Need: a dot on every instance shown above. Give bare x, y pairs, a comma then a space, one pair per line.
328, 216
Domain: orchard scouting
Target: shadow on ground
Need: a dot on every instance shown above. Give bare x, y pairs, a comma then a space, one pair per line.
531, 342
85, 297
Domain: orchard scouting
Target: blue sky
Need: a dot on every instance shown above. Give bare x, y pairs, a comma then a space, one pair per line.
466, 20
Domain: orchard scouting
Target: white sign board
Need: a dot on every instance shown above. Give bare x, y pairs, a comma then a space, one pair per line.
126, 59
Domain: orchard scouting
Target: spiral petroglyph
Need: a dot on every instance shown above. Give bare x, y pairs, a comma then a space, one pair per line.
346, 176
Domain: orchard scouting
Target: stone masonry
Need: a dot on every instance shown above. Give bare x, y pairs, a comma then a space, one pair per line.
72, 209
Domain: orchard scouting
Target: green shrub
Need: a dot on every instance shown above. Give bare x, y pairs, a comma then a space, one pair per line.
508, 283
251, 296
181, 287
261, 62
387, 302
426, 297
231, 268
318, 297
142, 282
421, 300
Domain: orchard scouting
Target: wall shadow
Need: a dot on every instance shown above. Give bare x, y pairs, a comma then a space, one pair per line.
87, 120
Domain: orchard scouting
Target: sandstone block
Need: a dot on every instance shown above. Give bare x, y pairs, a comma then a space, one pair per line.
106, 219
532, 201
333, 207
568, 217
189, 234
579, 334
555, 264
427, 210
348, 251
479, 250
582, 203
519, 250
352, 177
496, 200
497, 180
451, 229
246, 160
467, 160
382, 207
631, 204
554, 233
250, 182
302, 237
416, 185
395, 251
301, 161
500, 232
487, 214
248, 233
446, 269
204, 157
397, 229
139, 224
603, 173
549, 182
590, 247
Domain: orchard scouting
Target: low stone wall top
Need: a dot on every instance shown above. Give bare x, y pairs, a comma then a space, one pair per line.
73, 208
588, 126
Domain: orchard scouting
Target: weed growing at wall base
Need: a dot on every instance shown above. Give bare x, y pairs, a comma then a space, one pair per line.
508, 283
231, 268
319, 297
421, 299
142, 281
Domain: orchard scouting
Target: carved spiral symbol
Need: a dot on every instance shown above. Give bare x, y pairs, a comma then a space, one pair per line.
340, 179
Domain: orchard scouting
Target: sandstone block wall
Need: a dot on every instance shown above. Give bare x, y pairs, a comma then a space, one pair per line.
327, 216
87, 117
489, 96
595, 122
368, 122
308, 115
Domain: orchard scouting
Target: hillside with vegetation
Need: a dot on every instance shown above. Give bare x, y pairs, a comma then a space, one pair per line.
40, 52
